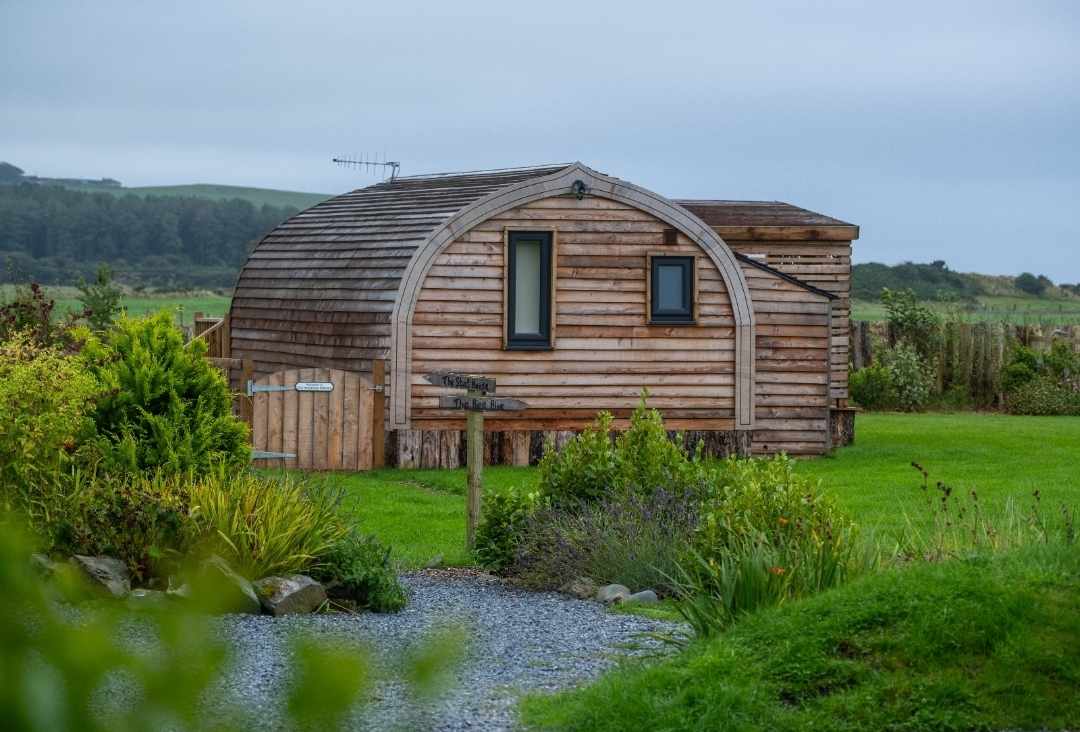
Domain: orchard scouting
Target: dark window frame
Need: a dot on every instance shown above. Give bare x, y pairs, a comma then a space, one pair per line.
529, 341
685, 314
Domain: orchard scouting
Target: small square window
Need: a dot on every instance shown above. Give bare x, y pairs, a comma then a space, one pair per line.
671, 292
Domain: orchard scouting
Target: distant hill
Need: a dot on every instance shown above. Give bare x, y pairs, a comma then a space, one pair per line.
213, 192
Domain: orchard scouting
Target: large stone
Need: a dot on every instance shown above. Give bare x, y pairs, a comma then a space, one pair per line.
106, 575
292, 595
645, 597
612, 594
582, 588
217, 588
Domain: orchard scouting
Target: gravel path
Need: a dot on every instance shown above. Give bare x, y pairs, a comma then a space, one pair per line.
519, 642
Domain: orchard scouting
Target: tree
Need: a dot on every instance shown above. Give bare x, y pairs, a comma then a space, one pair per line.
101, 299
1029, 283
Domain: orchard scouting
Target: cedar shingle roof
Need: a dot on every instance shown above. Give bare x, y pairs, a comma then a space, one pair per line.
756, 213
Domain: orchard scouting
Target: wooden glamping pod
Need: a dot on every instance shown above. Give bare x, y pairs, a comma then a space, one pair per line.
574, 290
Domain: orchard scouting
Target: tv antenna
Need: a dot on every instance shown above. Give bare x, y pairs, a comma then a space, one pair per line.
369, 163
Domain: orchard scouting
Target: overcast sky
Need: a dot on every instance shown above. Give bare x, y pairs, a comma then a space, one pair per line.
946, 130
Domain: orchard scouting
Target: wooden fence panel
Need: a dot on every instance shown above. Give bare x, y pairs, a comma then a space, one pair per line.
970, 355
325, 430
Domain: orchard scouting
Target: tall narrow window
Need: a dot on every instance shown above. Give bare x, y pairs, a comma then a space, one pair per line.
672, 291
528, 318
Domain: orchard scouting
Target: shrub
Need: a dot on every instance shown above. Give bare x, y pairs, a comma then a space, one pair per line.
633, 539
503, 518
261, 525
141, 520
45, 403
358, 568
1044, 395
911, 322
871, 387
165, 407
100, 299
585, 469
644, 458
1030, 284
766, 535
911, 380
31, 313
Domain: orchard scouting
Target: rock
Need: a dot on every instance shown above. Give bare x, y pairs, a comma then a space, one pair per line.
107, 575
612, 594
217, 588
645, 597
582, 588
42, 565
142, 599
295, 594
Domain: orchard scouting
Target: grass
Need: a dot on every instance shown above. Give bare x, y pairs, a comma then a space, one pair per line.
983, 644
184, 304
1000, 456
420, 513
992, 308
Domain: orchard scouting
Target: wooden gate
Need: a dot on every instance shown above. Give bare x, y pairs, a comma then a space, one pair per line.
318, 419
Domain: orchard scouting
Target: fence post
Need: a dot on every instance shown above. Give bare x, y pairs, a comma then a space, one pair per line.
378, 414
247, 411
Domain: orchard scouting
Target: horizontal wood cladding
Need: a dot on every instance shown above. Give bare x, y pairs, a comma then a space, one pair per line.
604, 351
793, 346
825, 265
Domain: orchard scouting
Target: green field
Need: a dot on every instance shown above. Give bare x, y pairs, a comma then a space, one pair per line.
992, 308
183, 304
421, 512
256, 196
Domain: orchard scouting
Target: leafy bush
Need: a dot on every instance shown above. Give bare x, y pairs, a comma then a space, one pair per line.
264, 526
766, 534
911, 322
642, 459
31, 313
911, 380
503, 517
141, 520
1042, 383
1044, 395
100, 299
633, 539
871, 387
45, 403
358, 568
165, 407
1030, 284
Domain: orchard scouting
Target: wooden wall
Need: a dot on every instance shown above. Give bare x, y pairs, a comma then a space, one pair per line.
604, 349
792, 355
818, 258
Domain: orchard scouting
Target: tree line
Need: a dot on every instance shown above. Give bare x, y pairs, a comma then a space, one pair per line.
58, 236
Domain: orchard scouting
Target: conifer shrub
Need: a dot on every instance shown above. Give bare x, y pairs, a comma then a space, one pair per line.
164, 406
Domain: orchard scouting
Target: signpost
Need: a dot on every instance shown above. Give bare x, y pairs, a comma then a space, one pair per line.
475, 403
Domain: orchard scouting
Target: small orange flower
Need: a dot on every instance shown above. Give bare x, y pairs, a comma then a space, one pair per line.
776, 570
784, 521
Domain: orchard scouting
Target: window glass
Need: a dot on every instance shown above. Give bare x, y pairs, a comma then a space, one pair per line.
670, 286
527, 282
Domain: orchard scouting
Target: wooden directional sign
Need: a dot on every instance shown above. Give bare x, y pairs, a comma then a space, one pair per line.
482, 404
481, 384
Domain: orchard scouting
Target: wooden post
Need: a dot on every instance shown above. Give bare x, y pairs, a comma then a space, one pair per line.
474, 435
378, 414
247, 410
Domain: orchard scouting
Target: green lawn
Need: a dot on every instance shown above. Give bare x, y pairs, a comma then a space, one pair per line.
992, 308
420, 513
183, 304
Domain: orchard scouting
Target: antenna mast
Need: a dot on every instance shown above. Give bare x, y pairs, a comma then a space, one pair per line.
368, 163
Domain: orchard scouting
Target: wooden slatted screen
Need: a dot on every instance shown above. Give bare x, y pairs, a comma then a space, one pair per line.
325, 430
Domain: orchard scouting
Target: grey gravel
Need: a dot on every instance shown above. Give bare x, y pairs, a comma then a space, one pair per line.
519, 642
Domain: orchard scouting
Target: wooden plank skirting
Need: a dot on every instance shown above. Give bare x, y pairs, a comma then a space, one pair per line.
430, 449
